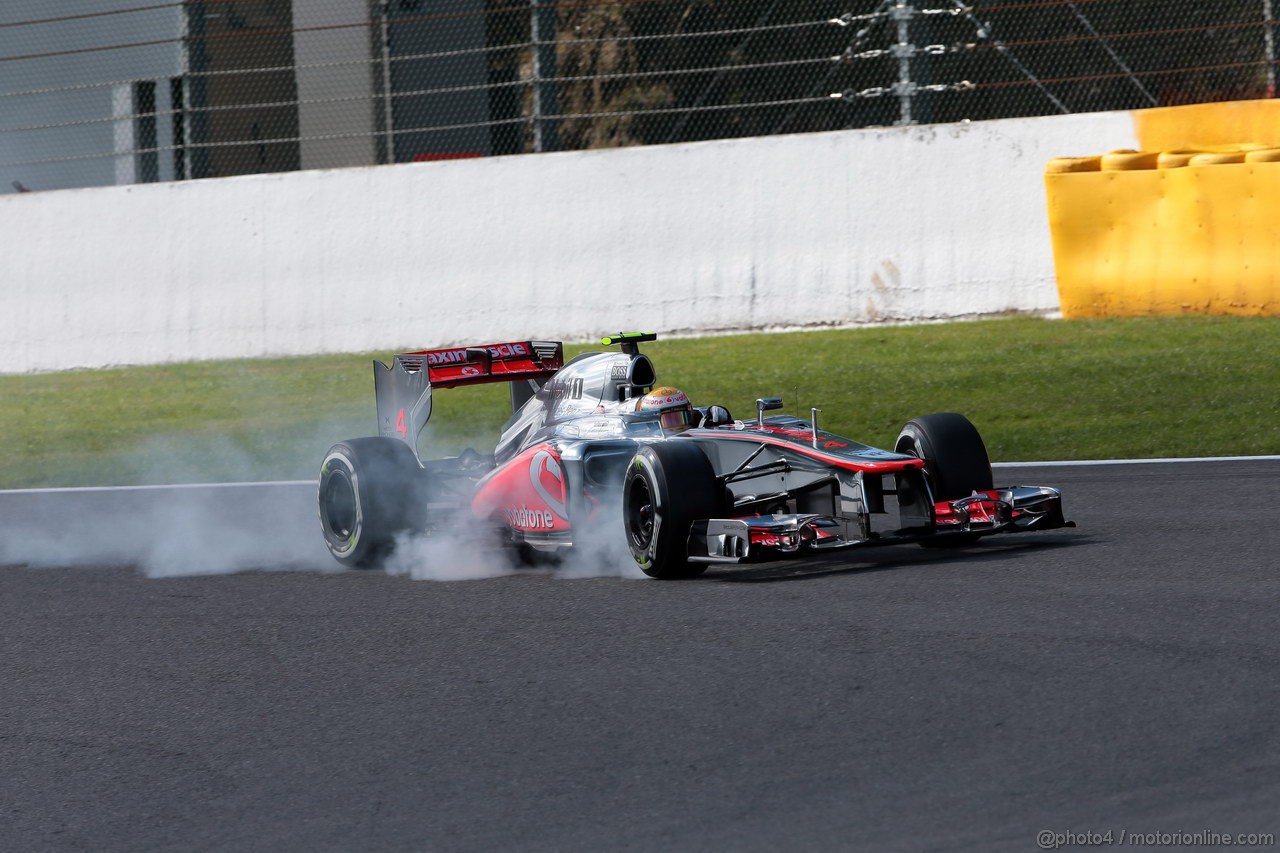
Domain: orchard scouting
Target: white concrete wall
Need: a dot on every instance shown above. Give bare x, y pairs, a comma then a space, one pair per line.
823, 229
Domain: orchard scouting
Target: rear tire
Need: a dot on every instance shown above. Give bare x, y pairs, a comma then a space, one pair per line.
668, 486
955, 462
371, 490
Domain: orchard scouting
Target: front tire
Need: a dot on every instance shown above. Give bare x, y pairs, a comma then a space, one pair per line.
955, 457
955, 462
668, 486
371, 489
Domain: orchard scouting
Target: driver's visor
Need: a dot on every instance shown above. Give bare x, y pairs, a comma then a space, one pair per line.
676, 418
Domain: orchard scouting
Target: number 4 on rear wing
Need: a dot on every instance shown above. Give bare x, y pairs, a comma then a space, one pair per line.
403, 390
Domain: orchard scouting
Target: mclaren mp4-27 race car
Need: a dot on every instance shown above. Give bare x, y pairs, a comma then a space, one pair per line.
596, 448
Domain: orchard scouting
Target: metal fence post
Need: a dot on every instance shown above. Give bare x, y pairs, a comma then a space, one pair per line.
546, 137
1269, 40
195, 145
903, 50
388, 96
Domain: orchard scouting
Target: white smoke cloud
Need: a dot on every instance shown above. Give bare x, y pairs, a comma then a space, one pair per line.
176, 531
228, 527
456, 555
601, 551
446, 557
166, 531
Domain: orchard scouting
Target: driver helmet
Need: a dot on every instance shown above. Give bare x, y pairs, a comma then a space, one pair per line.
675, 410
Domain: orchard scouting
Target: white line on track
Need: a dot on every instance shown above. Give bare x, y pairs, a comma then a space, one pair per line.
1073, 463
1088, 462
81, 489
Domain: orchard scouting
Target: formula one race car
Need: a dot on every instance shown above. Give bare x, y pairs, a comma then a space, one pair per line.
694, 486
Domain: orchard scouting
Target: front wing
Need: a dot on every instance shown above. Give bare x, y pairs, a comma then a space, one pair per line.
1010, 509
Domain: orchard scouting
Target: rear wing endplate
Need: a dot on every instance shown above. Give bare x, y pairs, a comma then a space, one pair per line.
403, 390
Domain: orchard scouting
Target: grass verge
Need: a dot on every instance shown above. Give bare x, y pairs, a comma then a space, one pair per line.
1037, 389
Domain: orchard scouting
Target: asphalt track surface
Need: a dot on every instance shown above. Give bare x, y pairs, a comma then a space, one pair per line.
1121, 676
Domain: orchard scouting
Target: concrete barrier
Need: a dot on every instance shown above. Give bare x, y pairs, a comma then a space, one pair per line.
839, 228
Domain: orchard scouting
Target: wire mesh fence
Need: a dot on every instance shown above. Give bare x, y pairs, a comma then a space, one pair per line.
123, 91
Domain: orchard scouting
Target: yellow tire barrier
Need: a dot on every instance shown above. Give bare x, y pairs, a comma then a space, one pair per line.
1217, 158
1188, 230
1127, 161
1167, 241
1175, 159
1209, 126
1064, 165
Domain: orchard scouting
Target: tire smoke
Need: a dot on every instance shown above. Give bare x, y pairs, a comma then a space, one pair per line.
223, 528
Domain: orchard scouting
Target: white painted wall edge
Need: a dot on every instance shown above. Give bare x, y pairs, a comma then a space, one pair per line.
830, 229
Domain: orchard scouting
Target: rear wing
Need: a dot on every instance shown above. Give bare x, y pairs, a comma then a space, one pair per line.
403, 390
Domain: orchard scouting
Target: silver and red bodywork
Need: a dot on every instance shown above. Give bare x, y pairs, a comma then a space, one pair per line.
558, 468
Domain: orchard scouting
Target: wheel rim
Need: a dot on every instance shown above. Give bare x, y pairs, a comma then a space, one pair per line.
640, 514
911, 447
340, 505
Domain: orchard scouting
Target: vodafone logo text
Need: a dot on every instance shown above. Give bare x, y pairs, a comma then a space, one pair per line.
529, 519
